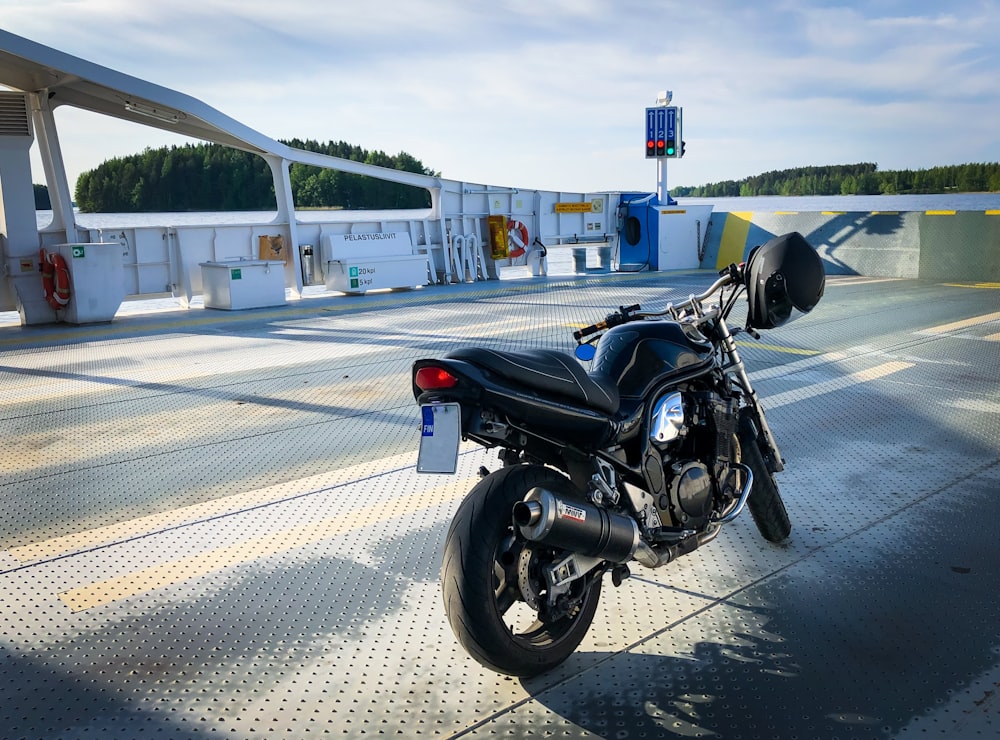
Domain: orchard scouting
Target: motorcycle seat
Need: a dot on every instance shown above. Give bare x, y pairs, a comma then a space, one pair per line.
546, 371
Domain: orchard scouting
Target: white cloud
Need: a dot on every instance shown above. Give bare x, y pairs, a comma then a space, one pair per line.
550, 93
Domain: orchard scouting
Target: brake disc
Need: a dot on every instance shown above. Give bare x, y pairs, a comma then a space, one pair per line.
528, 591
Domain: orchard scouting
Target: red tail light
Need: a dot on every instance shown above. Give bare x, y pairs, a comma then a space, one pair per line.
434, 378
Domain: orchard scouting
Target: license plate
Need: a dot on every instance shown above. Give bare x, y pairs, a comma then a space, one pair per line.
440, 431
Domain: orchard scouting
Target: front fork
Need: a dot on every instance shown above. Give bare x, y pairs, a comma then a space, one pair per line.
736, 362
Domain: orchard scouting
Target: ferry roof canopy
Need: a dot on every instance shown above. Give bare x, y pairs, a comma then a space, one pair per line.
28, 66
68, 80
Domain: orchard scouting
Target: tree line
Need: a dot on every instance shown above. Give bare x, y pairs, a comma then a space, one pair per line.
854, 179
212, 177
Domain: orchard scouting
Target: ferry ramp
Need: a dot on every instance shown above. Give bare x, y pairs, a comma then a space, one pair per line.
210, 525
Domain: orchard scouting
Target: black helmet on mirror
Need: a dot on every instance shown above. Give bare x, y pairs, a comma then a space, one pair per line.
781, 274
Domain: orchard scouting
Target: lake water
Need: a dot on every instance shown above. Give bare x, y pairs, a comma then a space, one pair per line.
944, 201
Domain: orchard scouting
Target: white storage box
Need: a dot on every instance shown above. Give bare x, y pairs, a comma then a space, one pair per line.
373, 273
238, 284
356, 263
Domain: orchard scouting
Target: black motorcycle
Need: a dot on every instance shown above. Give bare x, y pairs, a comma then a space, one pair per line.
643, 458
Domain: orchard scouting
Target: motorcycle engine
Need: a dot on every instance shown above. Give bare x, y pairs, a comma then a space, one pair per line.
692, 435
689, 500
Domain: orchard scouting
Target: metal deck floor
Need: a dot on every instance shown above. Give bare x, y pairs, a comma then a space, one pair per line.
210, 526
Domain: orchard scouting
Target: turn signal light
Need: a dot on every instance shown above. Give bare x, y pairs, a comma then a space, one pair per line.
434, 378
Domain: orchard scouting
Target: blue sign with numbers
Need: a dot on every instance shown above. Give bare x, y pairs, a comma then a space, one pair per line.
661, 128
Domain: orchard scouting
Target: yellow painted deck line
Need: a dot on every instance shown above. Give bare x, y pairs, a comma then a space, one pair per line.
206, 510
940, 213
818, 389
986, 286
963, 324
294, 309
245, 551
842, 280
777, 348
992, 337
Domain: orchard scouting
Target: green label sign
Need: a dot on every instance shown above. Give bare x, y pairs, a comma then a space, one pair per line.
78, 252
361, 276
236, 273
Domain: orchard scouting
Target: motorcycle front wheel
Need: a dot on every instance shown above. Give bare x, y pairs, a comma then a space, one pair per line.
765, 504
490, 578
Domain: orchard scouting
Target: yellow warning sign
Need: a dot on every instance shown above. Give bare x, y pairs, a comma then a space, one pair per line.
574, 207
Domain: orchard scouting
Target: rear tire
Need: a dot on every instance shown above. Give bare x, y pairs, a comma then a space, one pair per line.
483, 556
765, 504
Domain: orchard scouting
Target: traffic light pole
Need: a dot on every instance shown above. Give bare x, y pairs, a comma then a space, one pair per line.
662, 191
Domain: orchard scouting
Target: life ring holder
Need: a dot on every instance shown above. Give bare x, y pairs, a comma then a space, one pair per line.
517, 232
55, 279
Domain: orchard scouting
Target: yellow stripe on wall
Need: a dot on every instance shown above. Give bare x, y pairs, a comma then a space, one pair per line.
734, 238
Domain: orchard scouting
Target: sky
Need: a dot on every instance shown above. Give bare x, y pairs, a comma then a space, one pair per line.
551, 94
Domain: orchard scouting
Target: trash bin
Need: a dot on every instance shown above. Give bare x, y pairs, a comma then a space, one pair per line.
308, 263
538, 264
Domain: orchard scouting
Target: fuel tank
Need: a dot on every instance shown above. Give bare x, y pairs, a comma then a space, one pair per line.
641, 354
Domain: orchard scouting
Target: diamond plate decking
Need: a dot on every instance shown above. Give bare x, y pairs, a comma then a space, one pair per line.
210, 525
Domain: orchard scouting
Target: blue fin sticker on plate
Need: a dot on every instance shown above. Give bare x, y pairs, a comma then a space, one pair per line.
428, 421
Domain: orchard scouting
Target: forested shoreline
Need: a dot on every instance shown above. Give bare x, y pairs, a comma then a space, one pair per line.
854, 179
212, 177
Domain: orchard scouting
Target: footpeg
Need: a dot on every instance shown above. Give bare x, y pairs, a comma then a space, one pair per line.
619, 574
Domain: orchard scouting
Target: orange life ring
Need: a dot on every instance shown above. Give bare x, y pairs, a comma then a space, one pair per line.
55, 279
517, 232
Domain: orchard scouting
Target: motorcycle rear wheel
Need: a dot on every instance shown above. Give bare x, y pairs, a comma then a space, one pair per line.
480, 580
765, 504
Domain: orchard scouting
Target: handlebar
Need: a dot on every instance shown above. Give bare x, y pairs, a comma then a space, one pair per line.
622, 315
729, 276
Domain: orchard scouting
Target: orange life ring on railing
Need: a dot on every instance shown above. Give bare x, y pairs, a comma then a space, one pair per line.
517, 233
55, 279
